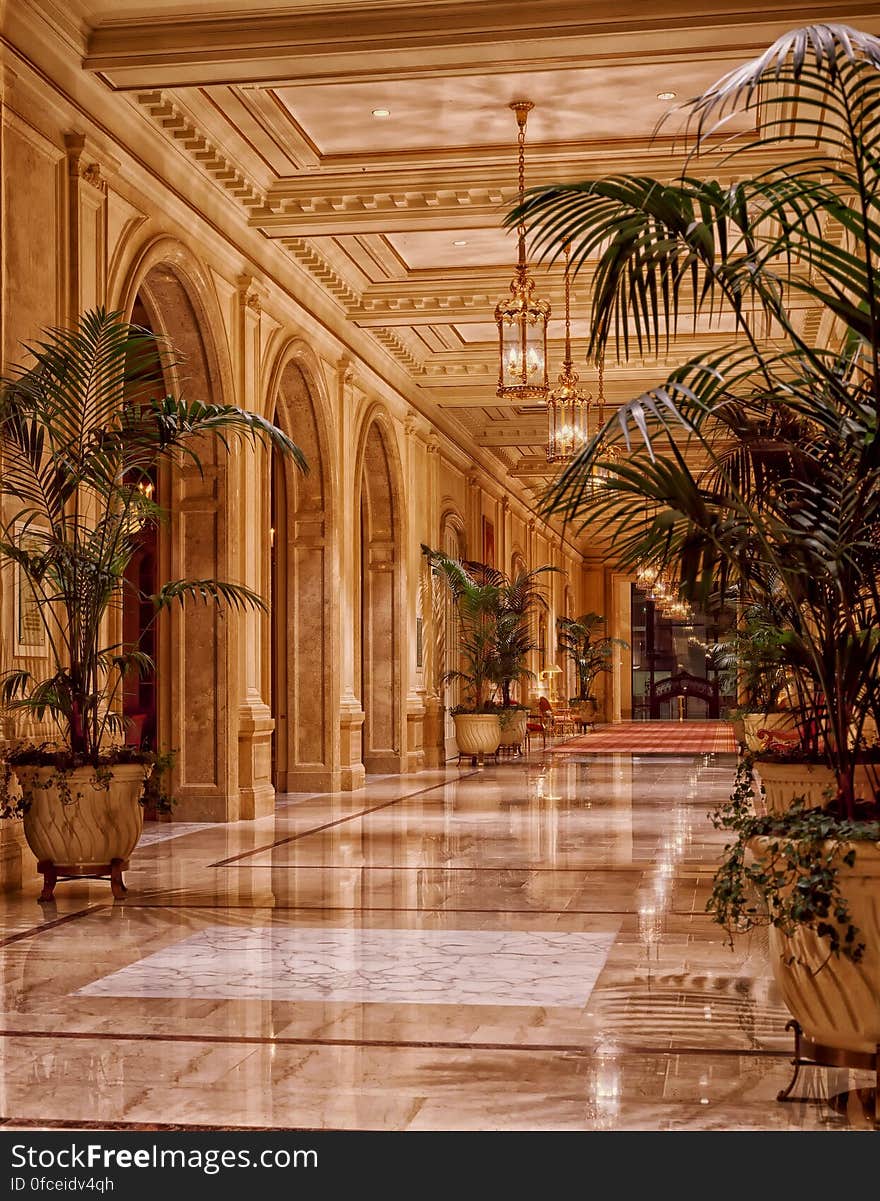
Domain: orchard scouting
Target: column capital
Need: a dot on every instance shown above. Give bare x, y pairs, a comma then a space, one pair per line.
251, 295
86, 161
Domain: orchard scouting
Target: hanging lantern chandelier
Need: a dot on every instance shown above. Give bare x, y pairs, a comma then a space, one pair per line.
609, 454
522, 320
647, 575
568, 406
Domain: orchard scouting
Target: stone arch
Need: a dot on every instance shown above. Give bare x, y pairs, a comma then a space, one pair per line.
378, 519
197, 684
302, 658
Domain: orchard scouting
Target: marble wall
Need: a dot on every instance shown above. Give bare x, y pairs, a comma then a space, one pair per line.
344, 676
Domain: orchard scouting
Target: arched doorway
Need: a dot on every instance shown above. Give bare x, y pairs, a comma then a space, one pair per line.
301, 671
378, 661
194, 647
140, 706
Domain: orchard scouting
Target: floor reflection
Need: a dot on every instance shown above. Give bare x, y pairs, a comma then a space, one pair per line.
521, 947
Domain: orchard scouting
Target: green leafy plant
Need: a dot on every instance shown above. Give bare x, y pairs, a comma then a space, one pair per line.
477, 605
156, 797
784, 870
760, 660
589, 650
495, 627
758, 464
84, 429
519, 599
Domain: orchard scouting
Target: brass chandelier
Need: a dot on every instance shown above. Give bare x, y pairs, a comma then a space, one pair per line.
522, 320
610, 454
568, 406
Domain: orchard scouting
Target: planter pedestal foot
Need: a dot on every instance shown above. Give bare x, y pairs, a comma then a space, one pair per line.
50, 879
808, 1054
797, 1062
53, 872
117, 885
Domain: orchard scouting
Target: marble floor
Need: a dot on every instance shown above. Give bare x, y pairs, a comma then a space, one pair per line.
522, 947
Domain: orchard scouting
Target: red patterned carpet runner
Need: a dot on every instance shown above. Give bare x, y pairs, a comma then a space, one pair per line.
653, 738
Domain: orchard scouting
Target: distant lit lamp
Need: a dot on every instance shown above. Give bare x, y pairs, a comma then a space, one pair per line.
522, 320
550, 673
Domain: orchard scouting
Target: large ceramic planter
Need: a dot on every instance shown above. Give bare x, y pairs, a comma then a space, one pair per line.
585, 713
753, 722
512, 724
477, 734
89, 829
836, 1002
786, 782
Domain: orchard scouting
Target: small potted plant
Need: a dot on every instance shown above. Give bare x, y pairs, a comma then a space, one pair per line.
85, 427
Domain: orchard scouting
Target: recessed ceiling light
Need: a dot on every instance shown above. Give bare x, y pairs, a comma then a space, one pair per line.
381, 112
460, 242
666, 95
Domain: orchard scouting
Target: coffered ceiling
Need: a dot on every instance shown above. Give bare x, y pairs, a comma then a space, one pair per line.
399, 216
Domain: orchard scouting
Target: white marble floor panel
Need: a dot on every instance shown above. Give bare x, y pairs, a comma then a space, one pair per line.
464, 967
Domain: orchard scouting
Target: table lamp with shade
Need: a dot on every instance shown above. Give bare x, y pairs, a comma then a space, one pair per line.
548, 679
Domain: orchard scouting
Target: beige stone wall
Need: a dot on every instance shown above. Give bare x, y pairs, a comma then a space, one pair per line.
344, 675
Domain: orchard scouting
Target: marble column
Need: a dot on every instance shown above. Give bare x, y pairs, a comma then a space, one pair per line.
351, 713
433, 636
418, 531
255, 722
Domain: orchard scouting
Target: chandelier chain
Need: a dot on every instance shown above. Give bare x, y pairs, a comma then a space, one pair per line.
522, 108
567, 305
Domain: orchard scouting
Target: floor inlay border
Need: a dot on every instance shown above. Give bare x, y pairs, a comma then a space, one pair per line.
342, 820
257, 1040
403, 909
33, 931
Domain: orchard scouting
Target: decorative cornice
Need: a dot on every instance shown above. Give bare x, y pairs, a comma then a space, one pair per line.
417, 40
178, 125
310, 257
329, 213
389, 339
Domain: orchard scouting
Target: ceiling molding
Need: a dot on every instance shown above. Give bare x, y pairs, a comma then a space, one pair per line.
418, 40
168, 115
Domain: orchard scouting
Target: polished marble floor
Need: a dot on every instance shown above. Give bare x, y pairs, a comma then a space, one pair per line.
521, 947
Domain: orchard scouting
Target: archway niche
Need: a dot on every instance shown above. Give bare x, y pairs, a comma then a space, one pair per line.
195, 713
380, 608
305, 741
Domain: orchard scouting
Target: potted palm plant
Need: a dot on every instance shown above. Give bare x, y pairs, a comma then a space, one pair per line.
85, 427
786, 502
591, 653
477, 603
519, 599
763, 679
